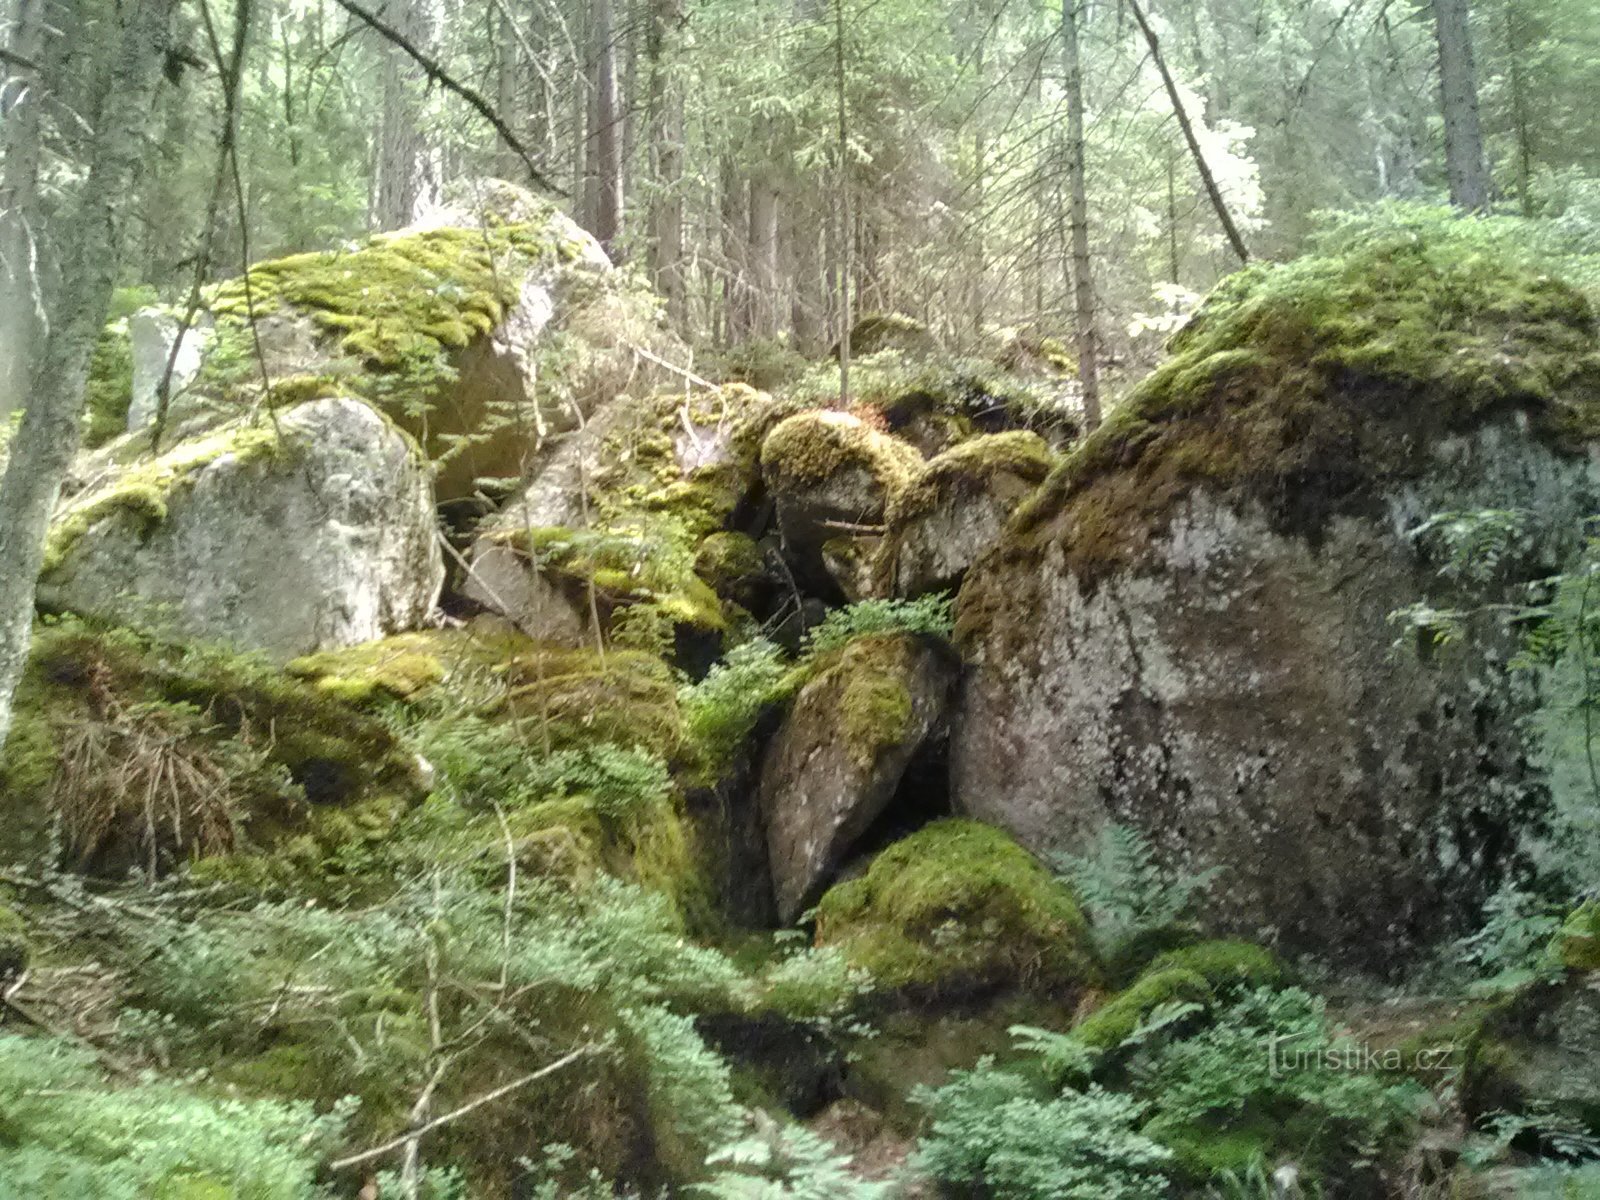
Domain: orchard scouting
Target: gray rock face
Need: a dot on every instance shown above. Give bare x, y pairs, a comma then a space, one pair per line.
955, 510
152, 333
315, 534
1237, 695
837, 760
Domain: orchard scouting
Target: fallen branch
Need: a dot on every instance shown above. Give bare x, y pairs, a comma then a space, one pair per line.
490, 1097
434, 71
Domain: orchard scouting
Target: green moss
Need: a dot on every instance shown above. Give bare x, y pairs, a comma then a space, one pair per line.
958, 906
1203, 1150
1224, 965
1312, 386
144, 491
875, 706
109, 392
1578, 943
406, 666
573, 697
732, 564
968, 469
811, 447
1115, 1021
877, 332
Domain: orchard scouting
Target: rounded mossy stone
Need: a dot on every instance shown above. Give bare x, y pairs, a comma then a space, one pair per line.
1326, 381
877, 332
1225, 965
1115, 1021
734, 566
959, 907
14, 946
1578, 942
970, 467
810, 447
875, 703
574, 697
405, 666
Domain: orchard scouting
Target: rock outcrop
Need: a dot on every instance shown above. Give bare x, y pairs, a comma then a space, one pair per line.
835, 763
1189, 629
955, 509
303, 532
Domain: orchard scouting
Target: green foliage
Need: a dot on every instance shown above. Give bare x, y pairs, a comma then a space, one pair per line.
929, 616
990, 1129
720, 711
68, 1133
1125, 890
1513, 945
778, 1162
1157, 994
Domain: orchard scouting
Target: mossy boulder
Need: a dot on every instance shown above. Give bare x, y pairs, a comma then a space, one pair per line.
14, 946
839, 757
408, 666
1578, 943
233, 754
480, 331
1226, 966
958, 907
1188, 628
573, 697
1108, 1026
640, 490
310, 530
1535, 1052
831, 475
954, 509
877, 332
734, 566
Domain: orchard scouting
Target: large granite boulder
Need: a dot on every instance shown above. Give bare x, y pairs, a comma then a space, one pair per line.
831, 476
955, 509
492, 323
306, 531
1189, 630
613, 516
837, 761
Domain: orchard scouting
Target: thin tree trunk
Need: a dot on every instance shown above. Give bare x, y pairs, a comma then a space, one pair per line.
763, 258
735, 226
1078, 217
1458, 90
1212, 190
93, 241
846, 228
1515, 45
20, 104
605, 131
666, 157
408, 162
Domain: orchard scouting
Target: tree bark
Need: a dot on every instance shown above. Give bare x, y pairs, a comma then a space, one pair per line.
1458, 90
1213, 192
605, 130
408, 161
666, 159
94, 239
1088, 337
20, 104
847, 233
763, 258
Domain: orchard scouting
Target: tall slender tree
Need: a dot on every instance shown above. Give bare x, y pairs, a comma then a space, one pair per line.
1465, 166
21, 103
1088, 338
92, 243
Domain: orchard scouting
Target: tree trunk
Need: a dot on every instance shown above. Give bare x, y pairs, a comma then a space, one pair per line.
1078, 218
408, 161
605, 130
735, 226
1458, 90
666, 159
93, 241
763, 258
847, 233
1516, 44
20, 104
1213, 192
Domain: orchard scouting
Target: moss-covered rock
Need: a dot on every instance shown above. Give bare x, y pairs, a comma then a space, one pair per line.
235, 754
14, 946
407, 666
735, 567
307, 531
877, 332
1108, 1026
1578, 943
571, 697
1534, 1052
839, 757
955, 508
1193, 618
959, 907
1226, 966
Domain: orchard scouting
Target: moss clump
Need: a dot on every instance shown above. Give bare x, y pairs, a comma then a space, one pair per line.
1578, 943
408, 666
971, 467
874, 702
1224, 965
145, 491
811, 447
108, 394
877, 332
1310, 387
733, 565
577, 697
1115, 1021
958, 907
